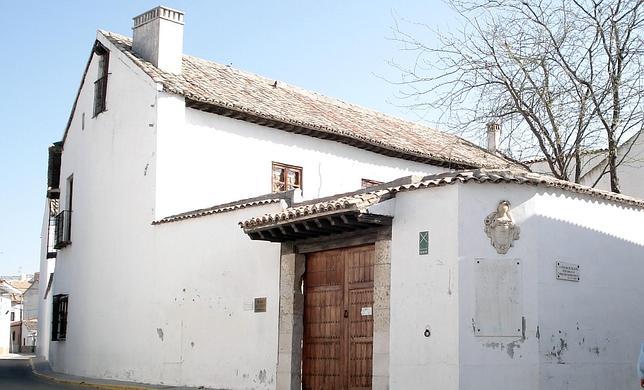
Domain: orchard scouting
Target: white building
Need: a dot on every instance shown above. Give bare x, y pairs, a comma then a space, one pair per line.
156, 138
30, 303
7, 295
594, 167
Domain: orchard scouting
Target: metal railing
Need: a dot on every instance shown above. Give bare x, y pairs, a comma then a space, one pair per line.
63, 229
100, 94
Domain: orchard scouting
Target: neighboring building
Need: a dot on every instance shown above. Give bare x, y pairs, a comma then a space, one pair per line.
594, 167
23, 319
7, 295
30, 303
371, 289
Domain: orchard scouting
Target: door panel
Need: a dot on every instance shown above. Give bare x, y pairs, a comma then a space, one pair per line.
338, 319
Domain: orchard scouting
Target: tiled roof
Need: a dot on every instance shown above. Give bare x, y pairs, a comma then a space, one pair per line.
268, 102
31, 325
258, 201
21, 285
582, 153
358, 201
362, 199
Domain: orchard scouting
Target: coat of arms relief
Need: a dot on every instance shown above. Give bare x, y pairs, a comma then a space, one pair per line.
501, 229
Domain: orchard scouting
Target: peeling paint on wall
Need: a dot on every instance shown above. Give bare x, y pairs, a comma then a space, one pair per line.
559, 347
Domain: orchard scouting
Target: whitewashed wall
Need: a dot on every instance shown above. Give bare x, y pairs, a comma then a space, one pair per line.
577, 335
30, 303
425, 292
5, 307
44, 305
47, 267
213, 159
630, 170
112, 161
179, 288
572, 335
498, 362
182, 290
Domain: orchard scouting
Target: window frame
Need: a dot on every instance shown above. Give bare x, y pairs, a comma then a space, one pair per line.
287, 168
100, 84
60, 306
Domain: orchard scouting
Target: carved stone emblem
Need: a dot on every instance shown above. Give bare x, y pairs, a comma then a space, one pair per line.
501, 229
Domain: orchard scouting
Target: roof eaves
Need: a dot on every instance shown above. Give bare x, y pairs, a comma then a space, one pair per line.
286, 196
361, 200
173, 83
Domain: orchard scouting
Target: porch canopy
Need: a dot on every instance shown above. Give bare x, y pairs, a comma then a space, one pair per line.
343, 213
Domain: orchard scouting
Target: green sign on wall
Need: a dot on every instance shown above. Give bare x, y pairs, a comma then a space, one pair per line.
423, 243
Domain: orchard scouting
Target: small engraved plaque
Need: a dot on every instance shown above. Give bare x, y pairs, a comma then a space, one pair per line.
260, 305
567, 271
366, 311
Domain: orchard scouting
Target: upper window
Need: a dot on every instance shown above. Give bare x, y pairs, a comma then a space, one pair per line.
370, 183
63, 221
100, 85
59, 317
286, 177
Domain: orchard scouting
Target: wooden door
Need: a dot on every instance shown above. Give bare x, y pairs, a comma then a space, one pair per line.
338, 319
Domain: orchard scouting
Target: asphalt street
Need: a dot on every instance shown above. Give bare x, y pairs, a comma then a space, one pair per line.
15, 373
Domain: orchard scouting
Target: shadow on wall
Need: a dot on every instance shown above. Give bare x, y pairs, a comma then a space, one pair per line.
590, 330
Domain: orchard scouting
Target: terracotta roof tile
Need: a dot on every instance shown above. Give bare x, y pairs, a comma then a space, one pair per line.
214, 210
225, 87
365, 198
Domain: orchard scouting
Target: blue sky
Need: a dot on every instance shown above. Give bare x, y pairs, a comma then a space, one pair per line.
338, 48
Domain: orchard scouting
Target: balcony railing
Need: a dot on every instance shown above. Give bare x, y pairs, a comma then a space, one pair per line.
63, 229
100, 93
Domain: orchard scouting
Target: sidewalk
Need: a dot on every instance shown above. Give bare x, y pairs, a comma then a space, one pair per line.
42, 369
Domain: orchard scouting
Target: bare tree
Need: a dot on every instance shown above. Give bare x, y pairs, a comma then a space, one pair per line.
562, 76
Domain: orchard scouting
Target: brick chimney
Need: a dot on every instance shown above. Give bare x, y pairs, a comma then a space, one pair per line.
158, 38
493, 137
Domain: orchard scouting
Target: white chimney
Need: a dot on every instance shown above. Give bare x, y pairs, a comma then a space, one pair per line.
158, 38
493, 137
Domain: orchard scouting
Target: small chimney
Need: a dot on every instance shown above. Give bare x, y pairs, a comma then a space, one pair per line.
158, 38
493, 137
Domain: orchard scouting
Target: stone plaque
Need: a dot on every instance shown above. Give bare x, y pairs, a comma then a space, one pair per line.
498, 298
567, 271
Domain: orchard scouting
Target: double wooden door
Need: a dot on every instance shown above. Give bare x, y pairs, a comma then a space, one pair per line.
338, 319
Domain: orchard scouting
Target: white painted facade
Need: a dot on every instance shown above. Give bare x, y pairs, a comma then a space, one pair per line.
630, 171
574, 335
182, 289
47, 266
5, 308
195, 144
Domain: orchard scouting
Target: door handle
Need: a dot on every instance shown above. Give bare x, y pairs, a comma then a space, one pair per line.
346, 314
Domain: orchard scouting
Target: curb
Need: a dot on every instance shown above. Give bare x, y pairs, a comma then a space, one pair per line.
86, 383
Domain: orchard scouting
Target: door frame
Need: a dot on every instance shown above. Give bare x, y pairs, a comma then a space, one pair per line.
291, 305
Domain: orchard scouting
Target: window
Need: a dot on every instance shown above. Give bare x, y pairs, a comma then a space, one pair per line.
286, 177
63, 221
100, 85
13, 316
366, 183
59, 318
